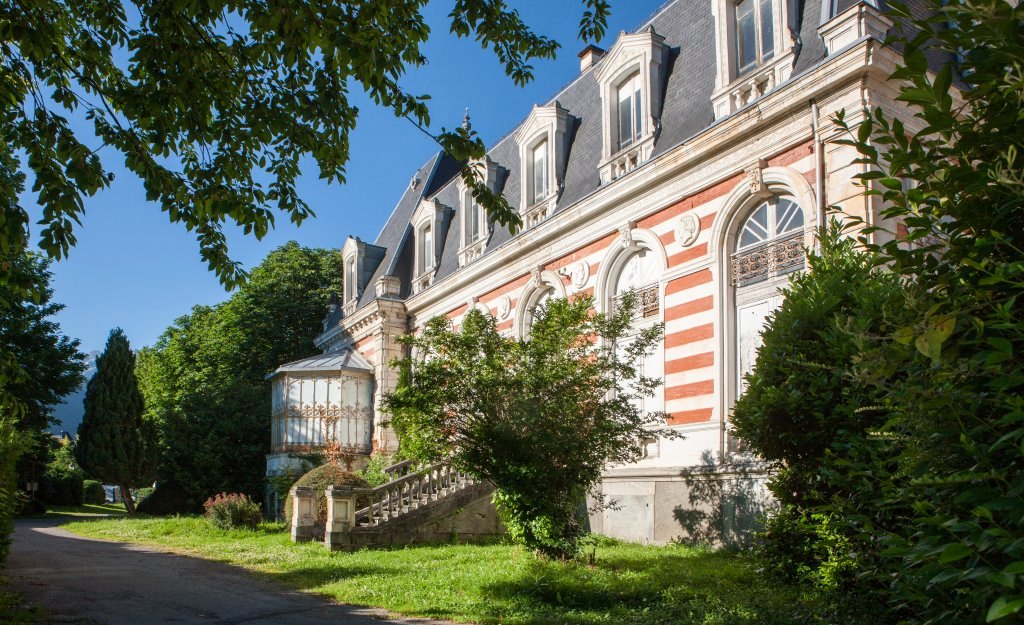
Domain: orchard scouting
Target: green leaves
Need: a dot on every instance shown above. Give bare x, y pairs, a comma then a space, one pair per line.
214, 105
540, 417
937, 330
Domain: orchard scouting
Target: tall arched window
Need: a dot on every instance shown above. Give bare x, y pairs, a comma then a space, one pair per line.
768, 246
640, 272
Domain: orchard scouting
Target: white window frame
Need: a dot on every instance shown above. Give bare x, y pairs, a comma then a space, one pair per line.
426, 254
737, 86
540, 176
636, 114
546, 125
640, 57
472, 247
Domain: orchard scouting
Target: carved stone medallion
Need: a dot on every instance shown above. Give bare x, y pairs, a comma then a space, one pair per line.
504, 307
578, 273
687, 229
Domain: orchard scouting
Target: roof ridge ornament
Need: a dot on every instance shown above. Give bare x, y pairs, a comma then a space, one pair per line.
466, 125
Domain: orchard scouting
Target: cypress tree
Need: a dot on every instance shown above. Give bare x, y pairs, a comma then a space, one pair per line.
115, 443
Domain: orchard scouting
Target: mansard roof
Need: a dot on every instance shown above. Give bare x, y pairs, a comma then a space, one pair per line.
688, 28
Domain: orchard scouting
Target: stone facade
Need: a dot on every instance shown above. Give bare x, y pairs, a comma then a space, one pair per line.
674, 218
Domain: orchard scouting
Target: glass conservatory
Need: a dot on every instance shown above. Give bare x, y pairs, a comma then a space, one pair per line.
320, 399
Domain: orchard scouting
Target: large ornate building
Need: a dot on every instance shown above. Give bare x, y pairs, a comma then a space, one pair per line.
690, 162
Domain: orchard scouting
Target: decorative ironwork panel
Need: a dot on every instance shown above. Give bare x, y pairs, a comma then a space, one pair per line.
778, 257
648, 302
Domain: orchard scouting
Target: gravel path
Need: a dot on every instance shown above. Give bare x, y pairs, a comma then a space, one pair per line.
92, 582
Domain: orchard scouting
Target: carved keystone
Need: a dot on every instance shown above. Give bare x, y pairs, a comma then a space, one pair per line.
303, 514
341, 517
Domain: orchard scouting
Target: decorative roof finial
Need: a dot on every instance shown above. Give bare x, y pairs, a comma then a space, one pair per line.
465, 121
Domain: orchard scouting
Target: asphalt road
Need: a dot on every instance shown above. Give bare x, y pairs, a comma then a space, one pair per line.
92, 582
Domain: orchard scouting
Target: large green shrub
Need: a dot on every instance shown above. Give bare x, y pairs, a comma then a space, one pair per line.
93, 493
953, 376
169, 498
11, 446
539, 417
61, 482
319, 479
801, 413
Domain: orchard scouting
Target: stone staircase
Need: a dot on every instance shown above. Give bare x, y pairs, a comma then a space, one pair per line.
434, 504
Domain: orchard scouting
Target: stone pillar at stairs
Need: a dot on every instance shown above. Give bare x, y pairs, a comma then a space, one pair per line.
341, 517
303, 514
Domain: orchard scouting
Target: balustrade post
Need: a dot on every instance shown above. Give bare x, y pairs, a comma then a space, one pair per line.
341, 517
303, 514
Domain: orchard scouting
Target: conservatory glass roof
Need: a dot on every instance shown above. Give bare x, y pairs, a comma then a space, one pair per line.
341, 360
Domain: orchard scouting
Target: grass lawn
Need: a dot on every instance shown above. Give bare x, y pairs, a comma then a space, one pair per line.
497, 583
87, 510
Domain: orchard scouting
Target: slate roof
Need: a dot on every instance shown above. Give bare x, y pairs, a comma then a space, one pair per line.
341, 360
688, 27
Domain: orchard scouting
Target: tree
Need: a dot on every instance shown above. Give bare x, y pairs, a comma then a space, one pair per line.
204, 381
50, 361
38, 366
213, 105
950, 375
800, 413
115, 443
540, 417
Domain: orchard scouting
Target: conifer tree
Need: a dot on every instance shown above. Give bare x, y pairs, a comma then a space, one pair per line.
115, 444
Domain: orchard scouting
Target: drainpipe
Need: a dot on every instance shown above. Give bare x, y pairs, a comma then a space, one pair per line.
819, 166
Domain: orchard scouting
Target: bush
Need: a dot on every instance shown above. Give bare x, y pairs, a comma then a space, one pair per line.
93, 493
168, 498
233, 510
809, 549
11, 447
374, 473
61, 488
61, 482
319, 479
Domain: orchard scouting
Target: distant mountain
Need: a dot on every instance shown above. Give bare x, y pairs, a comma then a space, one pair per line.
69, 412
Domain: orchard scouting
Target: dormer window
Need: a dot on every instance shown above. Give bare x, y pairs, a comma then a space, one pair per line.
427, 249
755, 38
429, 225
475, 227
631, 115
543, 154
631, 79
754, 45
540, 171
350, 279
358, 261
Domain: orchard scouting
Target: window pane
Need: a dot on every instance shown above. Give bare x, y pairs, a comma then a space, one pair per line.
746, 37
474, 217
625, 115
767, 30
788, 216
428, 249
540, 171
755, 229
637, 108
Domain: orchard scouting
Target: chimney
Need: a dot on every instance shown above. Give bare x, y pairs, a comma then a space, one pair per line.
590, 56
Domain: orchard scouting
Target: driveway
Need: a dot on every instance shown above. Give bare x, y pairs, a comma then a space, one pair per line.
92, 582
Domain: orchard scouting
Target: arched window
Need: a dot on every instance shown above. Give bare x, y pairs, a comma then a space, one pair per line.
640, 272
768, 246
535, 300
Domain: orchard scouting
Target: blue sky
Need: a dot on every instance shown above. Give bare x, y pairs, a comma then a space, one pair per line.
132, 268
